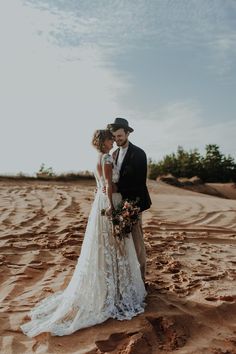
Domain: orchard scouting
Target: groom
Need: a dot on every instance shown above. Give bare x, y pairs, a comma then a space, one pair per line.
132, 164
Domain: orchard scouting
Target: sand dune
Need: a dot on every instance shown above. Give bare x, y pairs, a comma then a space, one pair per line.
191, 246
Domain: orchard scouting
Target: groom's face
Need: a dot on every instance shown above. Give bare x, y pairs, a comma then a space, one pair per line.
120, 137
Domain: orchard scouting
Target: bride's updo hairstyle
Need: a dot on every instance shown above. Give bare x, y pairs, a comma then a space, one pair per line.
99, 138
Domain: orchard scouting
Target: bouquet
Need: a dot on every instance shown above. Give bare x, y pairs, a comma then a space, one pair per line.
123, 218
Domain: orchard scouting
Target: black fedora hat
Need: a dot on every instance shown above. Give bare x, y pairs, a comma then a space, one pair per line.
120, 123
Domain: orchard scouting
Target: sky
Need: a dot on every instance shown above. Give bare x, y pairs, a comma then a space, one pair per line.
70, 67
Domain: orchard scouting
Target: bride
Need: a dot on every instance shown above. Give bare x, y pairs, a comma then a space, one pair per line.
107, 281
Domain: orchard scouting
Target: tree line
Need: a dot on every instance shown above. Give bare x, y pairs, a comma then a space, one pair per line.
212, 167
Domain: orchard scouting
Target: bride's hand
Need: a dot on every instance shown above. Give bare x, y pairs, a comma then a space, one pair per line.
108, 211
114, 188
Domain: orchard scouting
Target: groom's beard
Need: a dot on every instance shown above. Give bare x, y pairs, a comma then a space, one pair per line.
122, 143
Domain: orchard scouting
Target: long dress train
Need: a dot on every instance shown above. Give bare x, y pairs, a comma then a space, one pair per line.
106, 282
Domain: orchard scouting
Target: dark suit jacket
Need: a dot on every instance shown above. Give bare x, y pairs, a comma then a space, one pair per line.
133, 175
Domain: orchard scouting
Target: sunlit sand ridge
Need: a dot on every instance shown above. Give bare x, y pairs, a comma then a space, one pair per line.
191, 247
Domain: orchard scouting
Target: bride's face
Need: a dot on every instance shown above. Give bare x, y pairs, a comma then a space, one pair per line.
108, 144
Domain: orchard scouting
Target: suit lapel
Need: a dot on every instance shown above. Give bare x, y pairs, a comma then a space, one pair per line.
126, 158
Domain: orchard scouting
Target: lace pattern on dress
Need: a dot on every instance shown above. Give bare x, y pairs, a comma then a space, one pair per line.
106, 283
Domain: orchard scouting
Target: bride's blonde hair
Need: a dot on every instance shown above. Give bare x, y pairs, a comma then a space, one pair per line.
99, 138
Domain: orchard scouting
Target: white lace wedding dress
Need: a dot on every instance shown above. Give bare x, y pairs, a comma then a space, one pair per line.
106, 282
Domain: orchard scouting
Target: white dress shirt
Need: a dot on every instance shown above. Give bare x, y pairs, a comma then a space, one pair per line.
121, 156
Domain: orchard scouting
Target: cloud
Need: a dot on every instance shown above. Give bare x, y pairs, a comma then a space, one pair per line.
60, 71
52, 98
180, 124
118, 25
224, 53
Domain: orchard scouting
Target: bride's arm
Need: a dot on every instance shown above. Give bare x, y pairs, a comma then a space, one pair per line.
108, 180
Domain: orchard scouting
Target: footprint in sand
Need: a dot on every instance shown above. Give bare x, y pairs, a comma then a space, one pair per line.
112, 342
227, 298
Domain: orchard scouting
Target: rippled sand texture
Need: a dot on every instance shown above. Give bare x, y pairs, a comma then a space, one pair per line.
191, 280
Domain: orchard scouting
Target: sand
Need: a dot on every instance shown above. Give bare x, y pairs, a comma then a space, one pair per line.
191, 279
